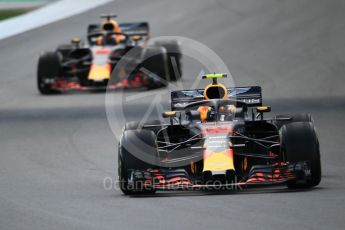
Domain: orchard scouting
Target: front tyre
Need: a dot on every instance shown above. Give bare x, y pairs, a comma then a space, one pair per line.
299, 142
133, 125
47, 70
143, 144
290, 118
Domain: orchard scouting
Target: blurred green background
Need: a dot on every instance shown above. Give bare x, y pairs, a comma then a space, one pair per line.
12, 8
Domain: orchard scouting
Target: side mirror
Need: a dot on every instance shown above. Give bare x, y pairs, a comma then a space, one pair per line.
75, 40
263, 109
136, 38
170, 114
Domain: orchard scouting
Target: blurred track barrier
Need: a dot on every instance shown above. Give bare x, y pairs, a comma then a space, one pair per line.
50, 13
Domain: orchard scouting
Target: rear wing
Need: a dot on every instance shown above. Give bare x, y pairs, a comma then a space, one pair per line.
251, 95
136, 28
129, 28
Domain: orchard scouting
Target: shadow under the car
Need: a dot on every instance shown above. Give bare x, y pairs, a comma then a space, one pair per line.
251, 191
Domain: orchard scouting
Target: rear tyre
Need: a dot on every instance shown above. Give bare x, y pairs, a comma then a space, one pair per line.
48, 69
155, 66
143, 143
174, 58
299, 142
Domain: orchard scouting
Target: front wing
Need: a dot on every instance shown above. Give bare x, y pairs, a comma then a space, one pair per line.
70, 84
178, 179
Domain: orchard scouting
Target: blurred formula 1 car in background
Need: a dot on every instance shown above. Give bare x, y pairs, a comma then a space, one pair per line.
77, 66
217, 137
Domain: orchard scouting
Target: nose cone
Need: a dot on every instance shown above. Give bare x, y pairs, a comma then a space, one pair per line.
219, 177
218, 161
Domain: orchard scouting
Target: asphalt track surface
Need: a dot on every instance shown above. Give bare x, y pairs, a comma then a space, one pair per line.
56, 150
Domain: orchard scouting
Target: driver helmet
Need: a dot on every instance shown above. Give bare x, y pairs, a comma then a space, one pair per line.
110, 26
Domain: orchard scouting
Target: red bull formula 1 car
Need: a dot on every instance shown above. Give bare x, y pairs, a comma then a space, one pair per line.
82, 67
218, 138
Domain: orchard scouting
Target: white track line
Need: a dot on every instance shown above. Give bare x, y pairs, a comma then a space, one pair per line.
50, 13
